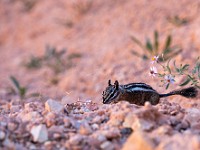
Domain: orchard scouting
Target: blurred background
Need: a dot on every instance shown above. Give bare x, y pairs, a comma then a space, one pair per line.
71, 48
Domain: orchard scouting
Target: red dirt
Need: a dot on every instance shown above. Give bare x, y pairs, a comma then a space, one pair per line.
100, 32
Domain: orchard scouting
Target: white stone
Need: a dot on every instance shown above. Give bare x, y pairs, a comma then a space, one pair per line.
2, 135
107, 146
39, 133
53, 106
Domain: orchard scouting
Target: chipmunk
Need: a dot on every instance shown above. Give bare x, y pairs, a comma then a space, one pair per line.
139, 93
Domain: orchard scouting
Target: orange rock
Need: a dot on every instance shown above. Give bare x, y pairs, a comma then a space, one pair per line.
138, 140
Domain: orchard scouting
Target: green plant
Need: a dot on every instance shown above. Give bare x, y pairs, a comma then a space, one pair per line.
178, 21
28, 4
82, 7
56, 60
191, 75
20, 90
34, 62
153, 48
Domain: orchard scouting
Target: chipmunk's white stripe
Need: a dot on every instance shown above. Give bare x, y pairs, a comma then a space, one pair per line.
140, 89
138, 85
135, 84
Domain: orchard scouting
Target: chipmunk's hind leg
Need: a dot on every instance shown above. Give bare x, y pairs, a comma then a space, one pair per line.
190, 92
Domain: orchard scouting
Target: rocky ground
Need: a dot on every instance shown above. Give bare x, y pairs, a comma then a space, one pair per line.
86, 125
62, 54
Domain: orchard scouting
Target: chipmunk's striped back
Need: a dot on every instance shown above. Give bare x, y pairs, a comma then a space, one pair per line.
137, 87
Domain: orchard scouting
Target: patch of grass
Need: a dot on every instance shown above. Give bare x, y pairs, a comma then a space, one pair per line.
178, 21
34, 62
55, 59
20, 90
153, 48
28, 5
82, 7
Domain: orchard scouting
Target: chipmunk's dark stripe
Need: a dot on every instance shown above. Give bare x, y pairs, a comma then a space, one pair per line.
138, 85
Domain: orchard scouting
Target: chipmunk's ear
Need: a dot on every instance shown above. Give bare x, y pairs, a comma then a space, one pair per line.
109, 82
116, 85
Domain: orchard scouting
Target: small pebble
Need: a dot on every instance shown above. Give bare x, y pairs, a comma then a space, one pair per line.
107, 146
2, 135
95, 126
76, 139
12, 126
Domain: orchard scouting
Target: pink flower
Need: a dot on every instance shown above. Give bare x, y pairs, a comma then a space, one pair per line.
169, 79
154, 59
153, 71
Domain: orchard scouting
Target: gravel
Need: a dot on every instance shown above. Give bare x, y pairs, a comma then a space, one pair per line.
87, 125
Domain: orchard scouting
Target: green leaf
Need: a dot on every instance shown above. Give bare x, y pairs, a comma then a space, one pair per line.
168, 42
198, 69
166, 51
168, 68
191, 78
167, 86
185, 67
22, 92
185, 82
149, 46
176, 68
156, 43
15, 82
134, 39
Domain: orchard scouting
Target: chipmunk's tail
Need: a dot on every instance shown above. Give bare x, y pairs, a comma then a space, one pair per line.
190, 92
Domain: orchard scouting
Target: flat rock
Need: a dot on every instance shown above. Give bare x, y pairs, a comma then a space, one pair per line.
39, 133
53, 106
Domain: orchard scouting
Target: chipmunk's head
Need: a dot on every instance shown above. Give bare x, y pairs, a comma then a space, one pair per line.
111, 93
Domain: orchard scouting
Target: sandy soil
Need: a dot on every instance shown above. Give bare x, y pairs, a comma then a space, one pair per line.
99, 33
